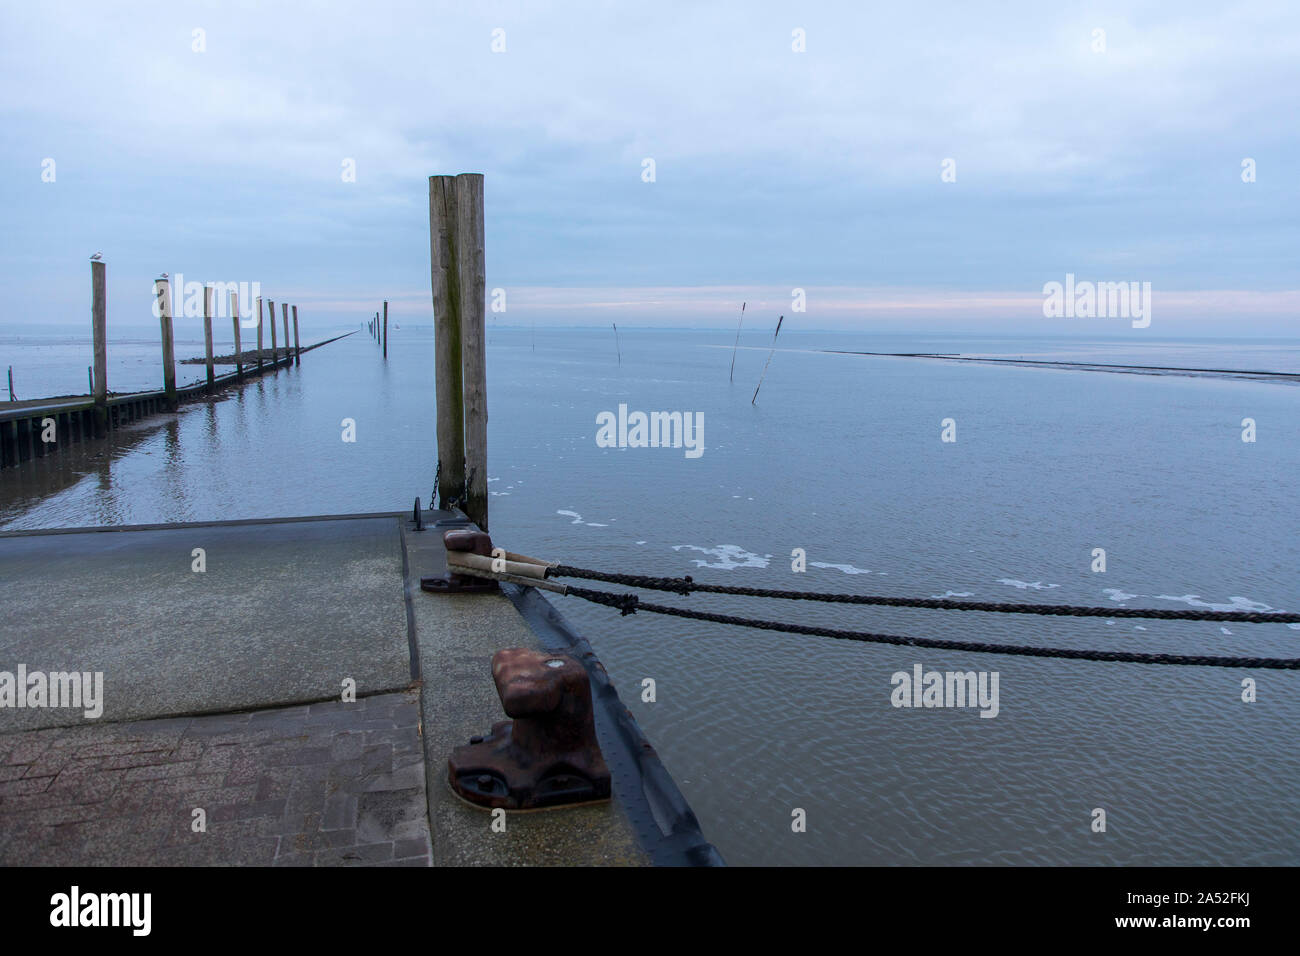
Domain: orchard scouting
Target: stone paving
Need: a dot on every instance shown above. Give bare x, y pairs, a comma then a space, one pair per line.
325, 784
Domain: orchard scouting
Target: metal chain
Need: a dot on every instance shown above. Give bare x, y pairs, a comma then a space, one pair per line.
460, 499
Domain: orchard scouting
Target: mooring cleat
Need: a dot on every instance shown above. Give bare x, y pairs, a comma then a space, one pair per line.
548, 755
462, 539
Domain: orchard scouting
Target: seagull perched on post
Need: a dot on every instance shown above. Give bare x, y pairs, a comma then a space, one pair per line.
96, 257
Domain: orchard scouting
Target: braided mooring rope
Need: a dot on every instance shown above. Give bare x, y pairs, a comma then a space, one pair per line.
630, 604
687, 584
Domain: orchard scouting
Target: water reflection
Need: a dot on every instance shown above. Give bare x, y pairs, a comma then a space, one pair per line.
762, 722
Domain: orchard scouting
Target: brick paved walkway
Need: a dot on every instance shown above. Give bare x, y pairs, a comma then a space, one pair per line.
328, 784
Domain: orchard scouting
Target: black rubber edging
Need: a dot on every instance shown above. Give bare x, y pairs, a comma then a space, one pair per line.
412, 642
665, 824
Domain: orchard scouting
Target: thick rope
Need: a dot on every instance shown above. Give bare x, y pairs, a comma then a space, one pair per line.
630, 604
687, 584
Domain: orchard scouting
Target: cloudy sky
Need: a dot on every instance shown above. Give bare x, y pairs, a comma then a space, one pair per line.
212, 140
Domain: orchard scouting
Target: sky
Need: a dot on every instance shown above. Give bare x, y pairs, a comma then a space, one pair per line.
914, 166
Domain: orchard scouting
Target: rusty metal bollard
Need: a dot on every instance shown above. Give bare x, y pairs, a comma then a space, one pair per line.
463, 539
548, 755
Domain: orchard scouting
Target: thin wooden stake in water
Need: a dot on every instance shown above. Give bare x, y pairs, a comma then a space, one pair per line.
284, 311
385, 329
99, 323
207, 336
297, 348
275, 349
616, 345
737, 345
11, 383
259, 331
769, 359
234, 317
162, 287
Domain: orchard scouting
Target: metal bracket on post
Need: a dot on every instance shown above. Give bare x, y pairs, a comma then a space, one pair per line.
474, 542
548, 755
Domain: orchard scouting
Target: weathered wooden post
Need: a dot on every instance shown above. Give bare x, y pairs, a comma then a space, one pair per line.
259, 332
275, 354
448, 386
234, 317
459, 287
297, 348
162, 289
99, 320
11, 383
385, 329
284, 310
472, 266
207, 336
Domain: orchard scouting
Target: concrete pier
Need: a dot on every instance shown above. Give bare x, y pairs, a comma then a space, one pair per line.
229, 653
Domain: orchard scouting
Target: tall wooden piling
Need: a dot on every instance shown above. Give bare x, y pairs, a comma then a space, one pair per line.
11, 383
385, 329
460, 310
259, 332
275, 354
162, 289
472, 266
234, 317
297, 348
207, 336
284, 310
99, 321
448, 385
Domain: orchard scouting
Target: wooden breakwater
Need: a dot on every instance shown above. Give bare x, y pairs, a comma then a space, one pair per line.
36, 428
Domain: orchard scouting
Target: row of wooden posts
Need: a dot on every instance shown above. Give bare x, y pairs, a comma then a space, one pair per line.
380, 332
162, 293
459, 275
162, 290
33, 429
97, 374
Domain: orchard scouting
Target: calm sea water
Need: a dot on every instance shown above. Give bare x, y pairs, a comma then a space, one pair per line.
841, 456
